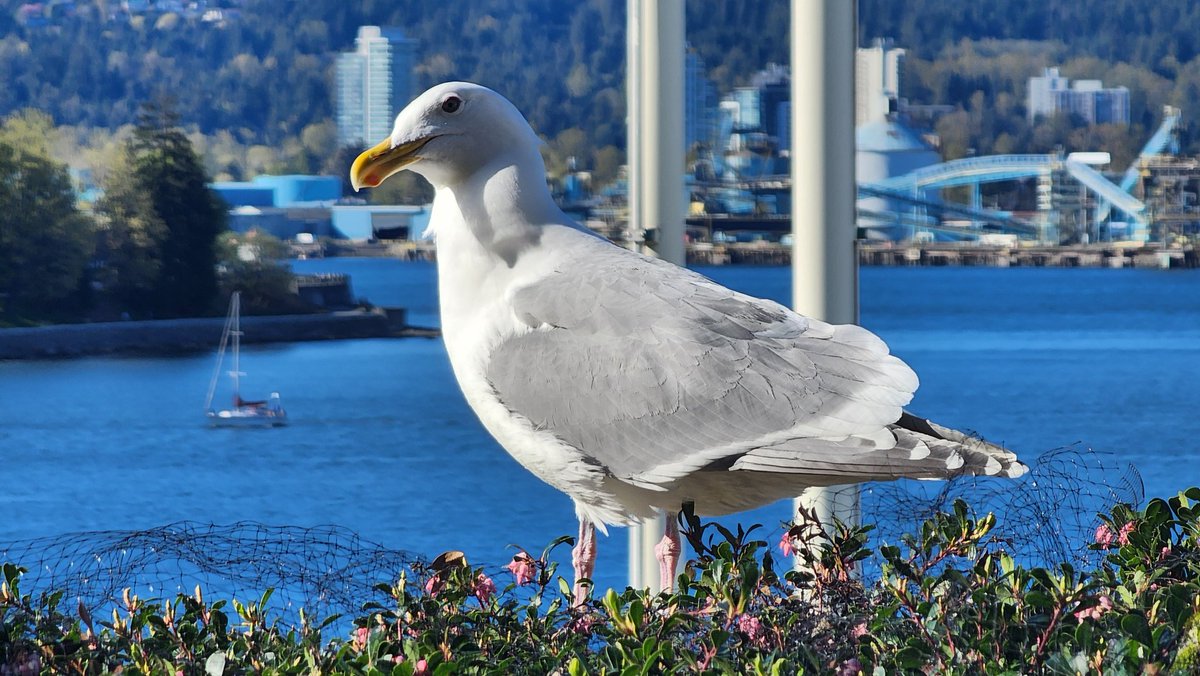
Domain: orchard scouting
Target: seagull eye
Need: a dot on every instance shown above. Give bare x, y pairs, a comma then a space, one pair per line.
452, 104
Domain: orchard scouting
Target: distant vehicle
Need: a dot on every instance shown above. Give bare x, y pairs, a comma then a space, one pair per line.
264, 413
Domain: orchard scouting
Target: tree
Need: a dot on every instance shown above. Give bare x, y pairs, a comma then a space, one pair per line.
131, 236
163, 221
255, 263
45, 242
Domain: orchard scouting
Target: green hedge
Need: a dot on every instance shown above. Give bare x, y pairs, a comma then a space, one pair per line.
949, 599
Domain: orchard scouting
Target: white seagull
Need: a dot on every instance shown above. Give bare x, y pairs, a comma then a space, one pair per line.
630, 384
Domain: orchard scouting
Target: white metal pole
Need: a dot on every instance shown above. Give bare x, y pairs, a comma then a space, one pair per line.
824, 267
656, 32
664, 204
633, 133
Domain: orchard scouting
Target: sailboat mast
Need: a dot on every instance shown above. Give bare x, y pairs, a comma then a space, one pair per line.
237, 344
212, 384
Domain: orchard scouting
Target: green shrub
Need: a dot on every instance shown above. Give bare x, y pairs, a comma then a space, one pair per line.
949, 599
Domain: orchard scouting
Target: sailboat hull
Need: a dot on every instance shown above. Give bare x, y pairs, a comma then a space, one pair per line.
246, 417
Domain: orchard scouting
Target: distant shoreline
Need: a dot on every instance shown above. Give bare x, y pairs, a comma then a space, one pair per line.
931, 254
178, 336
951, 254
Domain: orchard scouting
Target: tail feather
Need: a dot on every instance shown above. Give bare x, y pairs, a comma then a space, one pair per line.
912, 447
980, 457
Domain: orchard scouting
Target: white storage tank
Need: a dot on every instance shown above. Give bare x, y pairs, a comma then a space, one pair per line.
887, 148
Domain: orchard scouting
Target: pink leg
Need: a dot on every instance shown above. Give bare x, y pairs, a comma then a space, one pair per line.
667, 552
583, 556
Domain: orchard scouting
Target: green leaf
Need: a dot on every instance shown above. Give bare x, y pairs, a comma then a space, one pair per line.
1136, 627
637, 612
910, 657
11, 573
1038, 599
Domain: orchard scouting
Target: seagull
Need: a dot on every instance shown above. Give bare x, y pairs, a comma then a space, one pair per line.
633, 385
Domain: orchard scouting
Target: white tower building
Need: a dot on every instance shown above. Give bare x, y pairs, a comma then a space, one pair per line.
877, 77
373, 83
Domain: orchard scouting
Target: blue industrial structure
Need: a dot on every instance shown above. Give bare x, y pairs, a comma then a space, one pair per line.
280, 191
288, 206
918, 185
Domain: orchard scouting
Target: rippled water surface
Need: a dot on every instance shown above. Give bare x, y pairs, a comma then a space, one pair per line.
381, 441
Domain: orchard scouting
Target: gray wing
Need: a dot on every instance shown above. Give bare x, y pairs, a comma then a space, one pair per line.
655, 372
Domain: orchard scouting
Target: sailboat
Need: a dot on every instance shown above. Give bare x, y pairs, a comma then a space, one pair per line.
244, 413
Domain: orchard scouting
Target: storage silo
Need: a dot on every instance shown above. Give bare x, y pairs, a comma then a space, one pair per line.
887, 148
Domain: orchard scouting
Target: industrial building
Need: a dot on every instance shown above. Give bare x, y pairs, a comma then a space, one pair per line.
1052, 94
291, 207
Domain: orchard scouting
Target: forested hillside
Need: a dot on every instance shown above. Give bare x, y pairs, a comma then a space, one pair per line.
978, 57
1152, 34
263, 80
267, 76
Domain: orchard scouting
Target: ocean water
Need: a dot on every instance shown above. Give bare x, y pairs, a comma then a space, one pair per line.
381, 442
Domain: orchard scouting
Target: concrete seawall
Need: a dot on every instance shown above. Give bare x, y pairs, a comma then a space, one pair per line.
168, 336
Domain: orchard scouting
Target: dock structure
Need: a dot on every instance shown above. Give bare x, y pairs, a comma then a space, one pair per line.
961, 254
1082, 256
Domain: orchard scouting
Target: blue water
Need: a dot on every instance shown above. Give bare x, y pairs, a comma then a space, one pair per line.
382, 443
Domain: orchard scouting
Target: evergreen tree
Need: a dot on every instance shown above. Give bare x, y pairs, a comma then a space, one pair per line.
167, 170
131, 236
45, 242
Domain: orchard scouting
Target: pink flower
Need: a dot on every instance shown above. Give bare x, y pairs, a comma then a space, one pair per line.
1123, 535
785, 544
397, 659
434, 585
422, 668
360, 638
859, 631
582, 625
753, 628
484, 588
1103, 605
523, 567
1166, 551
1104, 536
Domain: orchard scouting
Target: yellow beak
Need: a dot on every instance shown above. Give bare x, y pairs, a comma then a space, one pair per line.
373, 166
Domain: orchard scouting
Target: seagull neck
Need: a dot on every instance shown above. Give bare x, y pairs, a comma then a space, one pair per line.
503, 209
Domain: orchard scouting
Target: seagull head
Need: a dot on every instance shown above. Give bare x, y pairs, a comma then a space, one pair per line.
448, 134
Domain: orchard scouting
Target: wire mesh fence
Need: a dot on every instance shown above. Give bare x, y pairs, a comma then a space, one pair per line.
1045, 517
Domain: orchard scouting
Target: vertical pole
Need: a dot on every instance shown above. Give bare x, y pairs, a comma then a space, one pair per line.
824, 267
633, 124
664, 205
656, 34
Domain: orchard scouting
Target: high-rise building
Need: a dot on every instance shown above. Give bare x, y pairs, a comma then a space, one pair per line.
1044, 92
878, 72
774, 85
1051, 93
754, 123
699, 101
374, 82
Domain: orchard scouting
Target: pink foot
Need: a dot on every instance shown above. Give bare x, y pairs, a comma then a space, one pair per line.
583, 556
667, 552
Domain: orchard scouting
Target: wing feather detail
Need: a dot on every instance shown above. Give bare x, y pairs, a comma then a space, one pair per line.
655, 372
